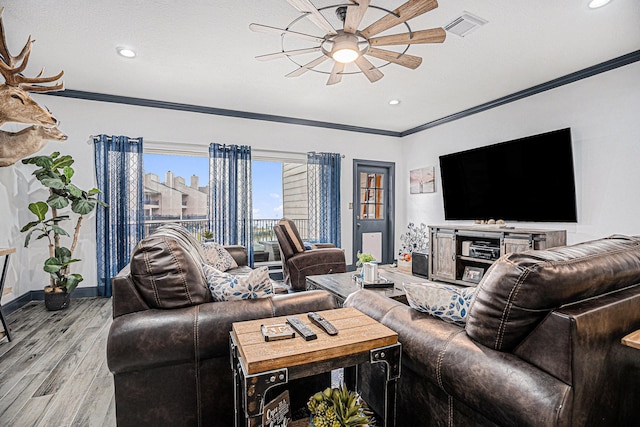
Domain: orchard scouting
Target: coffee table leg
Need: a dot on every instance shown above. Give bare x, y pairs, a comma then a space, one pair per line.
3, 276
391, 356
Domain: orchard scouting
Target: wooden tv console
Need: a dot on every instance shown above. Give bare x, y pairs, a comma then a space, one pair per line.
449, 248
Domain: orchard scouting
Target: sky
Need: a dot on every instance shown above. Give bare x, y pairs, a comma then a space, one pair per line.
266, 182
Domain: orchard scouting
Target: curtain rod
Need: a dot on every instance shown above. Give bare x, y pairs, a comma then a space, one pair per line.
109, 138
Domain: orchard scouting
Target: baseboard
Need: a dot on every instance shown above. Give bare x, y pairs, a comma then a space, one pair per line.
22, 300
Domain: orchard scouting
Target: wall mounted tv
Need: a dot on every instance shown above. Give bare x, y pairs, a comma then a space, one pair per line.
528, 179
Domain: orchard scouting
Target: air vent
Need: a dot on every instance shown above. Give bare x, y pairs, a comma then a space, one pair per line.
465, 24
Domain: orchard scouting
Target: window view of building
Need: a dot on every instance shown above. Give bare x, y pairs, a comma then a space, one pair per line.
279, 189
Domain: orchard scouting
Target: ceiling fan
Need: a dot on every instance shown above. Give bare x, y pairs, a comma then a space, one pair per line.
350, 45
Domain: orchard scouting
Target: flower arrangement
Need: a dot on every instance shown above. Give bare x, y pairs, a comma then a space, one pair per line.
415, 239
338, 407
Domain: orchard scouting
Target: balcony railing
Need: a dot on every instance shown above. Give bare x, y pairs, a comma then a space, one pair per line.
262, 228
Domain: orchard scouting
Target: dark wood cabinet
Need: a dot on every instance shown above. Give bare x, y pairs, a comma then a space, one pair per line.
452, 249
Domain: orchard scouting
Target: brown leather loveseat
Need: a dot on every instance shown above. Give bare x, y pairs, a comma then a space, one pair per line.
541, 346
168, 346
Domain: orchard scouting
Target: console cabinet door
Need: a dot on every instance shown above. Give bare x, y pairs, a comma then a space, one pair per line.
444, 256
512, 245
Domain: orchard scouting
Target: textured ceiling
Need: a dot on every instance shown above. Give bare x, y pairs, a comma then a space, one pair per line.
202, 53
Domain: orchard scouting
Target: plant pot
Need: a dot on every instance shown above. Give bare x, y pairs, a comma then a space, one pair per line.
56, 300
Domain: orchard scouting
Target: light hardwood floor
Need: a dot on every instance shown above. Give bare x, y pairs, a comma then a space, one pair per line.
54, 372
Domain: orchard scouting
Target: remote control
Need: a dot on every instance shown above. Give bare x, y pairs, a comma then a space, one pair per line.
304, 331
323, 323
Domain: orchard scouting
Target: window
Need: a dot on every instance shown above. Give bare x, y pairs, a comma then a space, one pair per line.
176, 189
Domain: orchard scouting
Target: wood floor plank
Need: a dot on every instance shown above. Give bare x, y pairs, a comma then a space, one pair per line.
54, 372
95, 409
11, 404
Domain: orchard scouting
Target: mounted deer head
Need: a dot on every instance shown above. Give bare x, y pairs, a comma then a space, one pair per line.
17, 145
15, 103
17, 106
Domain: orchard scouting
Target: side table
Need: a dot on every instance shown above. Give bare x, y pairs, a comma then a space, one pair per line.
5, 252
258, 365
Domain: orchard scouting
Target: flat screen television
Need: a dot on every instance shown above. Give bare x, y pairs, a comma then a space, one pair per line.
529, 179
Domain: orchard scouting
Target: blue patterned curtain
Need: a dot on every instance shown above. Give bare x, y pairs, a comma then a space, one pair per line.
119, 228
323, 175
230, 205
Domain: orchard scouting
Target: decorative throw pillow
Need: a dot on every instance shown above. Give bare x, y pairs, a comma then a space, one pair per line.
227, 287
448, 302
218, 257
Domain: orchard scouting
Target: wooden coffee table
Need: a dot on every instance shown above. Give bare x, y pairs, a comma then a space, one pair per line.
258, 365
341, 285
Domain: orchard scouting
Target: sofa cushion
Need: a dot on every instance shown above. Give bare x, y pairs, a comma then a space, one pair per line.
166, 271
520, 289
218, 257
227, 287
448, 302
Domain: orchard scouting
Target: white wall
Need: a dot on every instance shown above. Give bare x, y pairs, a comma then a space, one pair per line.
602, 112
80, 119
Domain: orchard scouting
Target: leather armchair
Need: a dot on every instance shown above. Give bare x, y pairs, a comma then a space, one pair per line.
299, 262
168, 345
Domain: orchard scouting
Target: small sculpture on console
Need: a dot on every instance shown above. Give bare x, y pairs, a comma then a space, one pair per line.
17, 106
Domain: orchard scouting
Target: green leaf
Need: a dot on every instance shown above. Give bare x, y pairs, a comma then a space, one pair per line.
42, 161
52, 182
59, 230
57, 218
39, 209
103, 204
82, 206
28, 238
68, 172
55, 154
29, 226
72, 282
75, 191
57, 201
94, 191
52, 265
63, 254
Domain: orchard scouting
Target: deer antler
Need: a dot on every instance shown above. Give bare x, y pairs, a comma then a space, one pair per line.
11, 71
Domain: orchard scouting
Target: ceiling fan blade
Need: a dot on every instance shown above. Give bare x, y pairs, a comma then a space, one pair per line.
336, 76
404, 59
409, 10
277, 55
266, 29
306, 67
369, 70
315, 15
433, 35
355, 15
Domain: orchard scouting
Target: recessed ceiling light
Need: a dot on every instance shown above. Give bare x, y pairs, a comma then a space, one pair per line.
594, 4
126, 52
394, 102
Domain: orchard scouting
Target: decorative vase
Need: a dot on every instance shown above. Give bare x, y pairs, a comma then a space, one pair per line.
54, 301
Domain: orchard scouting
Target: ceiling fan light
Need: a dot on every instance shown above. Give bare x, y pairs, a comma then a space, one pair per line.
594, 4
346, 56
345, 49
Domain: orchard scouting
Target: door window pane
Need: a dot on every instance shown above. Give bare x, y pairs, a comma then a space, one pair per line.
372, 204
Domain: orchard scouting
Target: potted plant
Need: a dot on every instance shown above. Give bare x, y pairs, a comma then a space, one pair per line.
55, 173
362, 258
338, 407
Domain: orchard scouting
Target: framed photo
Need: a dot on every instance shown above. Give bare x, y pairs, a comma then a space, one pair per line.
422, 180
472, 274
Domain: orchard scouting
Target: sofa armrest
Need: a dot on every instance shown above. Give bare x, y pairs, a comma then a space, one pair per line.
322, 245
239, 254
313, 262
156, 338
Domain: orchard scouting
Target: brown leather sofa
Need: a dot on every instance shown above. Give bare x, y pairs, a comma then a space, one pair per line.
298, 262
541, 346
168, 346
